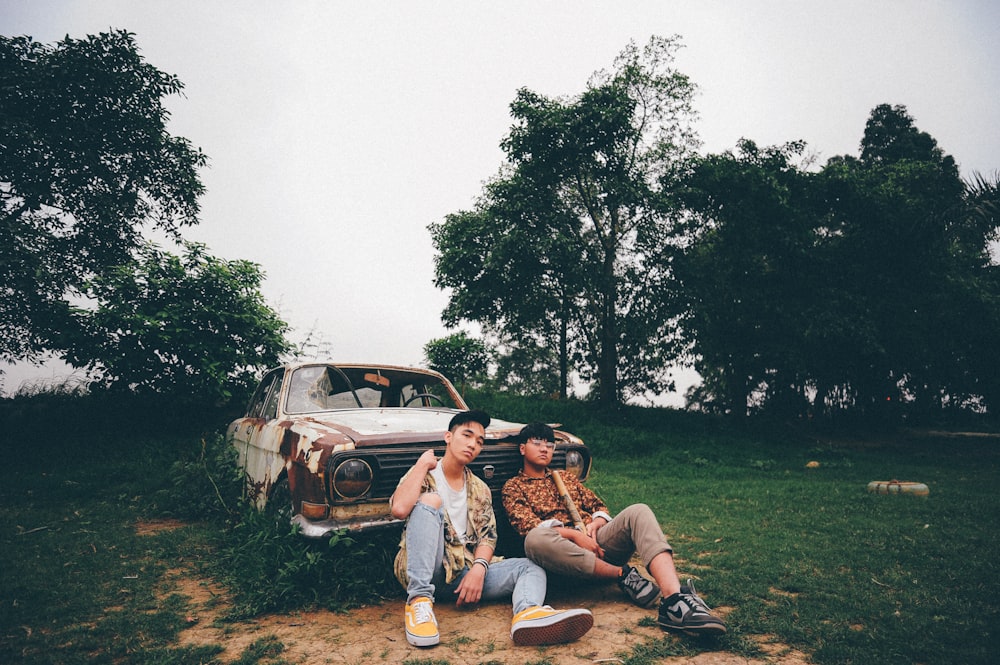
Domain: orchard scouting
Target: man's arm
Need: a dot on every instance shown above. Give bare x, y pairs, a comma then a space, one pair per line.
470, 589
410, 487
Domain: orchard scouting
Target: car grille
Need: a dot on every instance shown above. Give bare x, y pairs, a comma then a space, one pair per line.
389, 465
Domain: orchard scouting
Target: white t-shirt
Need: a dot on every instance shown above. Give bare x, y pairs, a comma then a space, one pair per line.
456, 502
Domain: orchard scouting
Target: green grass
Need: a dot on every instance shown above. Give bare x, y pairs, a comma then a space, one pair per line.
809, 555
804, 556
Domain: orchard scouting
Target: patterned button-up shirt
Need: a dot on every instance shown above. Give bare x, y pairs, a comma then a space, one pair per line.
529, 502
482, 528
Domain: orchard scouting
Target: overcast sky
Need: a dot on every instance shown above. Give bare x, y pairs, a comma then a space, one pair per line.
336, 132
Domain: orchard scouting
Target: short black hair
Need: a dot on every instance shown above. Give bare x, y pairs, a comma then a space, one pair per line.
536, 431
473, 416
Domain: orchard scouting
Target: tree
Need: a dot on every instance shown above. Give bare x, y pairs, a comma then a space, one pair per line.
866, 285
522, 275
192, 327
898, 238
459, 357
747, 275
86, 162
573, 232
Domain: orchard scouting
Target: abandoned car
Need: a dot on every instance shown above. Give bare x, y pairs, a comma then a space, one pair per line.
329, 442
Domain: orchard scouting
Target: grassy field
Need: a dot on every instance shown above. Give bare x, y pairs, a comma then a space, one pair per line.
803, 555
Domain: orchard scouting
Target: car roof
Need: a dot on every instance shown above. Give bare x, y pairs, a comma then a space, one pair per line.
388, 367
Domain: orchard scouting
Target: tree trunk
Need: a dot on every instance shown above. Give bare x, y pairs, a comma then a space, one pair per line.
608, 362
563, 355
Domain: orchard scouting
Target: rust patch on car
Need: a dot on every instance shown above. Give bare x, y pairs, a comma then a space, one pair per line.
288, 443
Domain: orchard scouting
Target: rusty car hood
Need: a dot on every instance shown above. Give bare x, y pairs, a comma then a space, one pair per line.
372, 426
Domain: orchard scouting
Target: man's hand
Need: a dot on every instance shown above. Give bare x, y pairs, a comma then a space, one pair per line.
427, 460
470, 589
408, 491
582, 540
595, 525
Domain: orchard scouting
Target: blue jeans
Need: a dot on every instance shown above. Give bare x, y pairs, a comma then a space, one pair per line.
518, 579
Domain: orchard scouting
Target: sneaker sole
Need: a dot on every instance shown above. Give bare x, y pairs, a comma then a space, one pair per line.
694, 631
422, 640
565, 630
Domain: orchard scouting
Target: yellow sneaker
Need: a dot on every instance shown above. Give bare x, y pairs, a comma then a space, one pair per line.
543, 625
421, 626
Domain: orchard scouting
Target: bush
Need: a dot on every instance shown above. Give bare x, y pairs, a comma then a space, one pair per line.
269, 567
204, 485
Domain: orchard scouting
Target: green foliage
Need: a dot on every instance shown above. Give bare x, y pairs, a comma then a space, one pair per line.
573, 230
461, 358
748, 281
87, 162
866, 287
268, 647
525, 369
191, 327
269, 567
205, 484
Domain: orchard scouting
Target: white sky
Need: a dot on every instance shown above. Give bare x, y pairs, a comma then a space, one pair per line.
337, 131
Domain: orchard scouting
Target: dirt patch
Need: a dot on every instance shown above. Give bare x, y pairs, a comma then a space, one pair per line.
153, 527
374, 634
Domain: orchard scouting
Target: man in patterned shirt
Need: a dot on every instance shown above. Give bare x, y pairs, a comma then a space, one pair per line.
537, 511
448, 542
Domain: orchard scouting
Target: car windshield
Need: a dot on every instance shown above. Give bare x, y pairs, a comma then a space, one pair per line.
328, 387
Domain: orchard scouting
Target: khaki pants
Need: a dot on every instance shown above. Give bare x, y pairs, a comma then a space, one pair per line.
634, 529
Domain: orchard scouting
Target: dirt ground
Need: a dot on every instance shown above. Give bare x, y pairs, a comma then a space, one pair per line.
374, 634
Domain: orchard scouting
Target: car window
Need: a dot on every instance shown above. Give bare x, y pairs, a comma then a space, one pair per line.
271, 400
307, 391
322, 388
265, 401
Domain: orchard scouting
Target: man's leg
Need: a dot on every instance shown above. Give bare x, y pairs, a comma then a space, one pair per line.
636, 529
424, 554
518, 579
533, 624
424, 546
547, 548
681, 611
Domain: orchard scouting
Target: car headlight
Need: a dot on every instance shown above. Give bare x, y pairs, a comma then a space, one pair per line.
574, 462
352, 478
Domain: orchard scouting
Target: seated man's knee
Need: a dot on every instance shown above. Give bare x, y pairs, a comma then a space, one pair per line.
432, 499
541, 542
641, 509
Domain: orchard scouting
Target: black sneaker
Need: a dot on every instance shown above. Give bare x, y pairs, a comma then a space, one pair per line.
687, 613
640, 591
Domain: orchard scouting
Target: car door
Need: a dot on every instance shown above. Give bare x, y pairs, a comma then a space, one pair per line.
257, 438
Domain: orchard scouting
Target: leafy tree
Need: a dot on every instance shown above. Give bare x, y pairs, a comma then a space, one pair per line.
899, 240
86, 161
193, 327
568, 245
747, 276
524, 274
866, 285
461, 358
525, 368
